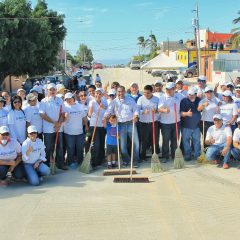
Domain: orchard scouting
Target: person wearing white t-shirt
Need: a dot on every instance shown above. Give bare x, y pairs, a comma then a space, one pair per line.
51, 111
33, 155
75, 119
22, 93
32, 114
179, 87
38, 87
166, 106
219, 137
236, 142
158, 86
236, 97
229, 110
10, 156
201, 86
3, 112
17, 120
81, 83
7, 97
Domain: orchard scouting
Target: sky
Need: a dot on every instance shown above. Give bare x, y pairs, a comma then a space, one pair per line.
111, 28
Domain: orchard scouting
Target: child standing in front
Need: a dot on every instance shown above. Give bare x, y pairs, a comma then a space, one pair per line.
111, 141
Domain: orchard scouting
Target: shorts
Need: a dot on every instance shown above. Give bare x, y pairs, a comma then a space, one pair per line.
111, 149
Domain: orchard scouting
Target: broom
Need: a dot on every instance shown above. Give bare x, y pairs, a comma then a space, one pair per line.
178, 160
155, 162
202, 158
131, 179
86, 166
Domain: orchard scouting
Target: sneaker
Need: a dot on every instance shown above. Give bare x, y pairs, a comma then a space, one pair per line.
215, 161
225, 166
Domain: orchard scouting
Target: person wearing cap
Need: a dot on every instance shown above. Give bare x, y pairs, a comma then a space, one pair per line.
223, 86
209, 106
146, 104
125, 108
115, 85
158, 86
111, 95
60, 88
38, 87
134, 92
236, 98
179, 88
235, 151
51, 111
98, 153
7, 97
98, 84
228, 110
17, 120
22, 93
201, 86
167, 119
10, 156
75, 119
237, 81
32, 114
190, 125
3, 112
230, 86
219, 139
34, 157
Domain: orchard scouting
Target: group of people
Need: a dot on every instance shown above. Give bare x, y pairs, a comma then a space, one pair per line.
29, 125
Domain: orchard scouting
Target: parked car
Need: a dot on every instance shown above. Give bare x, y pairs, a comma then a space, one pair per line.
167, 74
157, 73
190, 72
97, 66
135, 64
87, 65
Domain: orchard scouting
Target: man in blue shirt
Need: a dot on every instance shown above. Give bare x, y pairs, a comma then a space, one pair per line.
190, 117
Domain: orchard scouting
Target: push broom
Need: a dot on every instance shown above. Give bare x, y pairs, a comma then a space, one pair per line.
86, 166
155, 162
131, 178
118, 171
178, 159
202, 158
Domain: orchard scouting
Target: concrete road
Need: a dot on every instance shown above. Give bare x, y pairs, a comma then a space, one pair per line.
195, 203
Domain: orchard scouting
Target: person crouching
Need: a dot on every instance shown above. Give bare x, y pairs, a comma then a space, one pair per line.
33, 154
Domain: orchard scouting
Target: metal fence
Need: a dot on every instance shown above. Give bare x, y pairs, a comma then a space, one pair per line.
226, 65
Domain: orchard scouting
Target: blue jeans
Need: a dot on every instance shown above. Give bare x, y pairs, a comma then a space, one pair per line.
125, 132
214, 153
33, 174
18, 171
49, 141
74, 142
188, 135
236, 153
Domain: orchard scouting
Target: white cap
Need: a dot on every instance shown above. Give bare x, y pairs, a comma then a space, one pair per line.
112, 92
20, 89
223, 83
238, 119
59, 95
229, 83
237, 87
217, 116
4, 129
31, 96
60, 86
227, 93
202, 78
32, 129
179, 80
208, 89
99, 90
170, 85
192, 91
158, 81
68, 95
51, 85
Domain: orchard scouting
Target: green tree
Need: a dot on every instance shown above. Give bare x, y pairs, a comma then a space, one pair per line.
152, 42
235, 39
30, 38
84, 54
143, 43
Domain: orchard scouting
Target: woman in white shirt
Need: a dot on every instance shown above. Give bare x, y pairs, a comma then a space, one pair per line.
75, 119
3, 112
34, 156
17, 120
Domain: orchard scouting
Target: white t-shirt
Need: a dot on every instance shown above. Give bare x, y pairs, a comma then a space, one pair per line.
51, 107
209, 111
3, 117
25, 104
167, 101
17, 125
236, 135
219, 135
237, 101
10, 151
95, 106
33, 117
75, 114
200, 92
8, 107
158, 94
227, 110
38, 152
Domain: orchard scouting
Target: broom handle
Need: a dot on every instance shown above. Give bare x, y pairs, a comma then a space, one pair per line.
95, 126
118, 151
131, 170
153, 128
175, 115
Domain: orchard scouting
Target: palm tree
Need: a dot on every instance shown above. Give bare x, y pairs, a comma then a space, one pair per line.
235, 39
143, 43
152, 42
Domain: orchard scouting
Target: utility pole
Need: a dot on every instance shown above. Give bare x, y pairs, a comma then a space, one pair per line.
65, 56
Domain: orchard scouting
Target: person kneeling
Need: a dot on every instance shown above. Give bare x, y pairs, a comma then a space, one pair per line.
33, 154
219, 137
236, 142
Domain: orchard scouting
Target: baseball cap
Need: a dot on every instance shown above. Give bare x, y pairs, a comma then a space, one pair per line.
2, 99
99, 90
229, 84
237, 87
68, 95
217, 116
208, 89
202, 78
4, 129
20, 89
227, 93
192, 91
179, 80
51, 85
158, 82
170, 85
33, 90
32, 129
31, 96
112, 92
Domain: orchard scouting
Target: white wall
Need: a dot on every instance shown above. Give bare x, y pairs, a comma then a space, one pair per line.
203, 42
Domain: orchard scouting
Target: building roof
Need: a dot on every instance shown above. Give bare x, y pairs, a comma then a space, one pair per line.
218, 37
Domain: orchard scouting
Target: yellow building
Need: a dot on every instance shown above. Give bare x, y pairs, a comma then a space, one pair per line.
189, 56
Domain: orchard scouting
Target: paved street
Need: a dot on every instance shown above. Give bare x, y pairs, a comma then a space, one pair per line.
198, 202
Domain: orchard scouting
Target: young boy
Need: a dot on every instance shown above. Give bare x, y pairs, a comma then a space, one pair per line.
112, 141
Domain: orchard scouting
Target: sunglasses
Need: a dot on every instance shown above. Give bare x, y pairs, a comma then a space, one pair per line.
16, 102
111, 95
5, 134
209, 91
32, 133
